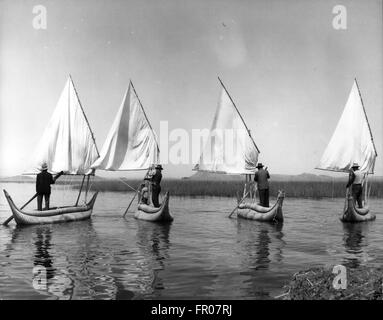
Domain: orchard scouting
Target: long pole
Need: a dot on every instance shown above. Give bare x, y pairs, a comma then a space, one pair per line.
365, 114
83, 113
232, 101
143, 110
126, 211
238, 204
87, 188
11, 217
78, 197
365, 191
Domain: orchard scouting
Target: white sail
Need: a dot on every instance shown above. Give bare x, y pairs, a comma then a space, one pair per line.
230, 149
67, 143
352, 140
131, 143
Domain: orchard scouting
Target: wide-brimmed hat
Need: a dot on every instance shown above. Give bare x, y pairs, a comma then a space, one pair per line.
44, 166
355, 165
158, 166
260, 165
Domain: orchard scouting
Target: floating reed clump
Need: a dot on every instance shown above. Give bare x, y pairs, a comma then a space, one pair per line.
362, 283
196, 188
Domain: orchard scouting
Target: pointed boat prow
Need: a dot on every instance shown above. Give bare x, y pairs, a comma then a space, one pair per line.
253, 211
149, 213
354, 214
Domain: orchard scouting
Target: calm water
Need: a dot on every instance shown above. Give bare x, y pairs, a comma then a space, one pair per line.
201, 255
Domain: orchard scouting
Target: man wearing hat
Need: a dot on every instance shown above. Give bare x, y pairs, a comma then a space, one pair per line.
156, 187
43, 186
261, 177
356, 178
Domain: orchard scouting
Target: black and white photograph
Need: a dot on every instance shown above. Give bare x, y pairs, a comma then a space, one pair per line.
191, 150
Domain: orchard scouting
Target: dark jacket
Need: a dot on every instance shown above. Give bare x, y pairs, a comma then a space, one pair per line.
43, 182
261, 177
157, 177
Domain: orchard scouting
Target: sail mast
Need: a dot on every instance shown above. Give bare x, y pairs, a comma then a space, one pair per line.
86, 119
243, 121
365, 114
146, 117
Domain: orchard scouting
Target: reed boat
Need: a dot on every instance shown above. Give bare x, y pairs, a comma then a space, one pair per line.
254, 211
150, 213
131, 145
54, 215
215, 158
354, 214
67, 147
352, 143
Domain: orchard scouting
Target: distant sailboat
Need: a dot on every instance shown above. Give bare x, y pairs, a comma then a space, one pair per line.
352, 142
67, 145
131, 145
231, 150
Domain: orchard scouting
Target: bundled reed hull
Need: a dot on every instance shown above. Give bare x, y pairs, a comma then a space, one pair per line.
149, 213
64, 214
253, 211
354, 214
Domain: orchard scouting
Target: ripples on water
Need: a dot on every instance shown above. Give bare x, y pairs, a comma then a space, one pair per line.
201, 255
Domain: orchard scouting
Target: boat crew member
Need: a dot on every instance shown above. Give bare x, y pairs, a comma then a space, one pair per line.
43, 186
356, 178
261, 177
144, 196
156, 187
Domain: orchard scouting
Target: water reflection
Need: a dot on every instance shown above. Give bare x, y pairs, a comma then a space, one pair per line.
72, 258
153, 240
263, 247
263, 243
354, 239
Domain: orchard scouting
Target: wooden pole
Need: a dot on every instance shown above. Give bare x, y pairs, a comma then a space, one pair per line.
11, 217
238, 204
244, 123
131, 201
78, 197
83, 113
146, 117
87, 187
126, 211
365, 114
365, 190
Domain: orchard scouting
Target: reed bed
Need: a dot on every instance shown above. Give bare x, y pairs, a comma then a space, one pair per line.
363, 283
198, 188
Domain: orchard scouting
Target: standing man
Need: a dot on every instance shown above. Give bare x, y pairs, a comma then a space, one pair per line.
261, 177
43, 186
156, 187
356, 178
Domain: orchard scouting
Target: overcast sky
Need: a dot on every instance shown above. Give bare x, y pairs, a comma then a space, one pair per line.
288, 70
